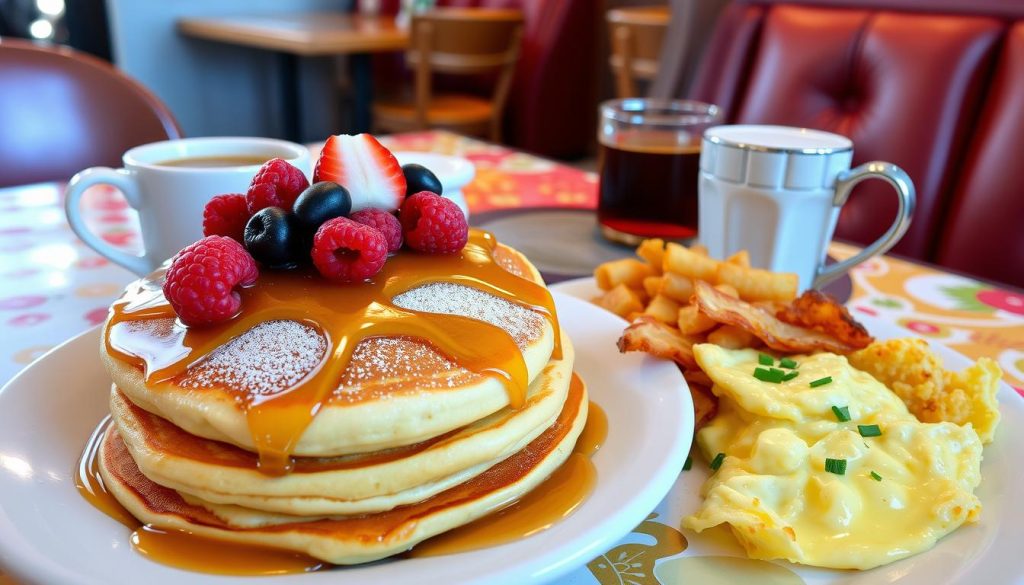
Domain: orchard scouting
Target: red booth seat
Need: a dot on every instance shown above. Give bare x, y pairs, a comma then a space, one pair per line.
930, 90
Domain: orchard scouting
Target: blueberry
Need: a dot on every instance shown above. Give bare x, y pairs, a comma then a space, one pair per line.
419, 178
273, 238
320, 202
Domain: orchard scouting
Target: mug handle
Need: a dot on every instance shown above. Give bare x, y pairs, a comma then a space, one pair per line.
845, 182
124, 181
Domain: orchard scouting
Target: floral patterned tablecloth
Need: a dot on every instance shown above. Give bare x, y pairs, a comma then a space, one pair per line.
53, 287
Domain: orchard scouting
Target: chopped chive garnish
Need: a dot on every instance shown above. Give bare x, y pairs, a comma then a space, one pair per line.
875, 476
788, 363
772, 375
717, 461
789, 376
688, 463
836, 466
765, 359
869, 430
821, 381
842, 412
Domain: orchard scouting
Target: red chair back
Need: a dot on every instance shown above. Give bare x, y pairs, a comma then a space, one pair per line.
62, 111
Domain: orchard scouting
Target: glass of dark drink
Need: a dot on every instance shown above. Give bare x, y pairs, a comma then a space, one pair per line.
649, 162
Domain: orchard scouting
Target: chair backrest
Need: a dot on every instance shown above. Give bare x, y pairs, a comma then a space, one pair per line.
62, 111
464, 41
637, 35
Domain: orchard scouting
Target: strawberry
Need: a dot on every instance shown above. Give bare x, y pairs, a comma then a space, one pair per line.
362, 165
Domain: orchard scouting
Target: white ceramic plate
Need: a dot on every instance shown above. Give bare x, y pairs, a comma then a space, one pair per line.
49, 534
987, 552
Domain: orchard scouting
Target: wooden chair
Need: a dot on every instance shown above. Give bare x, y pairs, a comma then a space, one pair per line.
62, 111
636, 38
458, 42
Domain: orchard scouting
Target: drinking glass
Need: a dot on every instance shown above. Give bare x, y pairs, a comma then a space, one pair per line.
649, 161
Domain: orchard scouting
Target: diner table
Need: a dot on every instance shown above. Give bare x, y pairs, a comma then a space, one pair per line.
316, 34
53, 287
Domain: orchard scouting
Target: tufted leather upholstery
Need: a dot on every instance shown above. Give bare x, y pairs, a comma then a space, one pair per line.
983, 233
907, 84
555, 74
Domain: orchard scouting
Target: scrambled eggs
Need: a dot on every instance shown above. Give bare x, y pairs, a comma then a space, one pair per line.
834, 474
932, 394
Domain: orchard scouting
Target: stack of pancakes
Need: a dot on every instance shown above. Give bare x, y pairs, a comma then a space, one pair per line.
409, 445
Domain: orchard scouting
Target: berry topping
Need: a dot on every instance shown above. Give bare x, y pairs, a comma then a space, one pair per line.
420, 178
386, 223
369, 171
347, 251
201, 282
433, 224
273, 238
276, 184
320, 202
225, 215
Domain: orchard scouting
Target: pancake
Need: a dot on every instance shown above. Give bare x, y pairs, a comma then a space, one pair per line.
216, 473
396, 390
360, 538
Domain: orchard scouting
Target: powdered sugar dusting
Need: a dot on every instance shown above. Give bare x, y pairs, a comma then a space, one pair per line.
276, 355
521, 323
266, 359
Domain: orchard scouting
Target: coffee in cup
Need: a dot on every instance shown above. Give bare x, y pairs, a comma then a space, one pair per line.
169, 183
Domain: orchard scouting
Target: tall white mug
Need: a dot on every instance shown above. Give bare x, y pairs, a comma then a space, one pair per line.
170, 197
776, 191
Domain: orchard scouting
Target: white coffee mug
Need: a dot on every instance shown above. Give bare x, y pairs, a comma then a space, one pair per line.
776, 192
170, 198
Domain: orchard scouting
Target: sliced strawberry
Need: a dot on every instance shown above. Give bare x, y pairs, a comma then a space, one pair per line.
362, 165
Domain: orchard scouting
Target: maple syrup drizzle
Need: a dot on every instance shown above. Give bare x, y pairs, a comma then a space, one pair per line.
344, 315
554, 499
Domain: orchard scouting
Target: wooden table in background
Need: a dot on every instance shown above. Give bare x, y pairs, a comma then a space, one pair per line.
292, 36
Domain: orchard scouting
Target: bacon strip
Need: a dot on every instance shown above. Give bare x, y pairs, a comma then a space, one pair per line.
651, 336
776, 334
819, 311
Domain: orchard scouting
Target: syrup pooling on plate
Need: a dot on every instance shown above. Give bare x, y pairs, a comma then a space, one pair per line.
344, 315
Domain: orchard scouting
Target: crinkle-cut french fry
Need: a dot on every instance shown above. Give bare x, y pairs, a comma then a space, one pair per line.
663, 309
649, 335
652, 251
741, 258
652, 285
676, 286
755, 284
691, 321
699, 249
732, 337
728, 289
688, 263
622, 301
628, 271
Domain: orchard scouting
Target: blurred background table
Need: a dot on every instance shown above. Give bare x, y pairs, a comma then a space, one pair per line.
292, 36
53, 287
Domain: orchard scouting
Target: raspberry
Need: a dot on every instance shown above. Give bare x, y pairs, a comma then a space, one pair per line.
385, 222
276, 184
347, 251
433, 224
200, 284
226, 215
